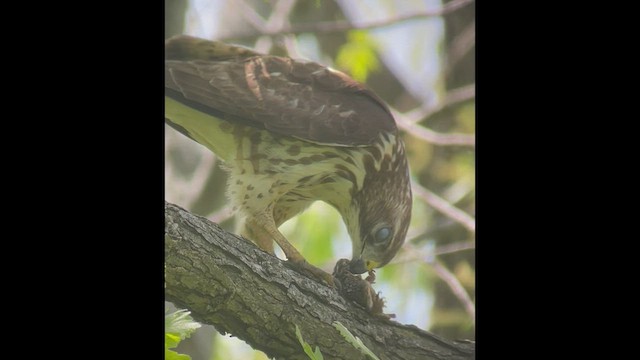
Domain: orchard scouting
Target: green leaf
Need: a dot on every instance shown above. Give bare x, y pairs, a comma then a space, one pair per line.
177, 327
172, 355
318, 354
354, 340
307, 348
180, 324
171, 340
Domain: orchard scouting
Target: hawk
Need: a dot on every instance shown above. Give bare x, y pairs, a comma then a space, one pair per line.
291, 132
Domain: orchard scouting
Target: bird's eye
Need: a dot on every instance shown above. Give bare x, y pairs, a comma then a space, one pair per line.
382, 236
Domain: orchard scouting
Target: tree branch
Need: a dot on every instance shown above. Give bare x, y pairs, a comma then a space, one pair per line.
444, 207
453, 97
461, 45
229, 283
431, 136
340, 26
455, 286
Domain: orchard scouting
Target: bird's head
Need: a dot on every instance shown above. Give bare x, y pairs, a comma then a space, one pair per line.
382, 213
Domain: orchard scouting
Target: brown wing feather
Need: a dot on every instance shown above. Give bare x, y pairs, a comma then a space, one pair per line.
286, 96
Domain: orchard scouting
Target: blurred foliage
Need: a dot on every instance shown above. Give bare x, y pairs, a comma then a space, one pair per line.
358, 56
174, 22
178, 326
411, 288
310, 232
228, 347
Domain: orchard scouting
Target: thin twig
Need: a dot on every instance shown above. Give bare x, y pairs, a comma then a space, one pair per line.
279, 18
455, 247
459, 95
221, 215
408, 121
250, 15
445, 207
453, 97
431, 136
429, 258
460, 46
456, 287
325, 27
411, 253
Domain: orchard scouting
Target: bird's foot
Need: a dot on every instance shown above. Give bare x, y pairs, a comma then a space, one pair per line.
313, 271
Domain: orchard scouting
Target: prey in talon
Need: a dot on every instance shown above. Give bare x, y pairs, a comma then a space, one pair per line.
353, 287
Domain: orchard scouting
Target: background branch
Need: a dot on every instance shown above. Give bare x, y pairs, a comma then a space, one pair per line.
431, 136
453, 97
456, 287
460, 47
228, 282
444, 207
326, 27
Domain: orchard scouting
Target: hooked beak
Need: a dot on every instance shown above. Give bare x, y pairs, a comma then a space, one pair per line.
359, 266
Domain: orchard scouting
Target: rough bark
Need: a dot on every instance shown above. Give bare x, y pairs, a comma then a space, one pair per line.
228, 282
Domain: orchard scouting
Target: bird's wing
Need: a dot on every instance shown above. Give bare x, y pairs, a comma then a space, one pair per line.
288, 97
